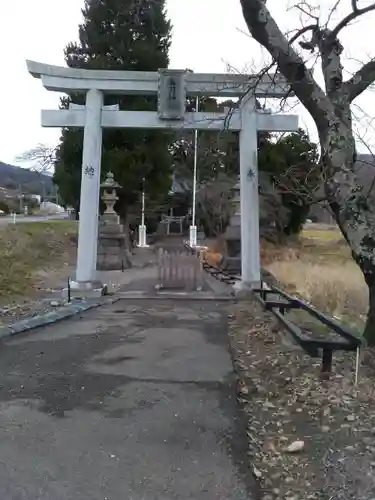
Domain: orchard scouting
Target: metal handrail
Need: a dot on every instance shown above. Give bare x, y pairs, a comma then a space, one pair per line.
349, 341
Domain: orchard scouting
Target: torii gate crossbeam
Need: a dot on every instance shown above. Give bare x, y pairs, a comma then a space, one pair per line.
94, 116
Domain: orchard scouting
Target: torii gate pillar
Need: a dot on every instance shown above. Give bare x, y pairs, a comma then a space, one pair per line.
250, 255
90, 191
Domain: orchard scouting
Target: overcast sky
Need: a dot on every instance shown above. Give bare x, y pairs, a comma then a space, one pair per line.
207, 36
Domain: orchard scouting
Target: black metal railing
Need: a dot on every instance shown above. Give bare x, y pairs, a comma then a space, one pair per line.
337, 337
214, 271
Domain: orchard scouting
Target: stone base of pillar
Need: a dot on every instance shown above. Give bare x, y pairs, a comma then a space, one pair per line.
112, 253
85, 290
244, 290
193, 236
142, 240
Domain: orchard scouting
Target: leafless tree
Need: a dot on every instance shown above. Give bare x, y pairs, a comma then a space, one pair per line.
214, 204
41, 158
352, 205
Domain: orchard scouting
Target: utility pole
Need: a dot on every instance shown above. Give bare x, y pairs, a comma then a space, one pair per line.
44, 190
142, 230
193, 227
21, 198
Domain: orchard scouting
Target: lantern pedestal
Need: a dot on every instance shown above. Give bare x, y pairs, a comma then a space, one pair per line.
112, 254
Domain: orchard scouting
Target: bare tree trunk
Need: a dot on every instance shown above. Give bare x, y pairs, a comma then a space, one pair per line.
369, 332
124, 219
127, 250
353, 205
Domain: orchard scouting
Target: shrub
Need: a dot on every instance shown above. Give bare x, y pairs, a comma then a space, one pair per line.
4, 207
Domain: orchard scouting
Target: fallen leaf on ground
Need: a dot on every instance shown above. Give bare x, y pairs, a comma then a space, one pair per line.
295, 447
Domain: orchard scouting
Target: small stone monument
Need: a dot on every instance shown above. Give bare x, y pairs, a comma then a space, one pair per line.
112, 252
232, 235
271, 211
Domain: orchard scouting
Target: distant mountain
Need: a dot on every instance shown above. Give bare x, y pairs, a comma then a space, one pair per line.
29, 181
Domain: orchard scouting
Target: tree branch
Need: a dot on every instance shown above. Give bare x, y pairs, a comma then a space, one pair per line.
265, 31
361, 80
356, 12
301, 32
304, 7
42, 157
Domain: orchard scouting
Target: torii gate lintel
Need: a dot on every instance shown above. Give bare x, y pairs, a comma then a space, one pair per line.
94, 116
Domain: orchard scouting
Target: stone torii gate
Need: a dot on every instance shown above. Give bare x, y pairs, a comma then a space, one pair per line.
172, 87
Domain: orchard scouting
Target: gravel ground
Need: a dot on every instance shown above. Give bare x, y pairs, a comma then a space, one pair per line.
28, 309
45, 296
308, 438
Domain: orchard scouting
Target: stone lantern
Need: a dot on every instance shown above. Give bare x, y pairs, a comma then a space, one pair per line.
109, 196
112, 251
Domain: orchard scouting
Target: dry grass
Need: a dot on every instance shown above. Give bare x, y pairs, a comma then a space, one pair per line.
27, 248
319, 268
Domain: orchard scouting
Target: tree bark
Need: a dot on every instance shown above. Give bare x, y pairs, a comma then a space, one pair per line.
124, 220
369, 331
353, 206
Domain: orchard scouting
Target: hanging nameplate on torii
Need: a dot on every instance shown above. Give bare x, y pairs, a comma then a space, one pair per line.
171, 94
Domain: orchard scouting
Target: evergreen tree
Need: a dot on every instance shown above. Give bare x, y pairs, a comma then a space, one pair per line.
119, 35
217, 150
292, 164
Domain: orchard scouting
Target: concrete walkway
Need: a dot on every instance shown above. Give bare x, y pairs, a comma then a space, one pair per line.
133, 401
